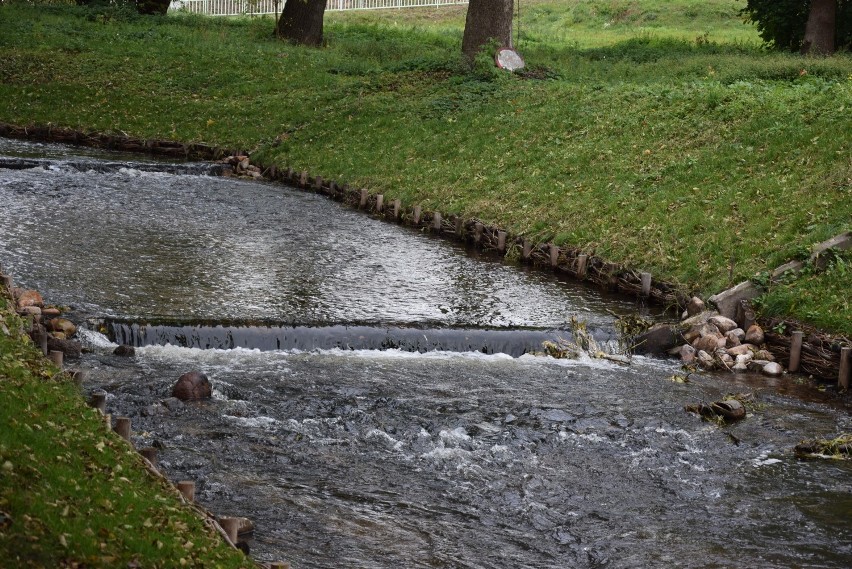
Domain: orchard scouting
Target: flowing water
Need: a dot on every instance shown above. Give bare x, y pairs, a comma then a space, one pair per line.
375, 402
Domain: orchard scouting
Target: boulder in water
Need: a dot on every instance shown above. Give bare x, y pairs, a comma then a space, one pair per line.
191, 386
125, 351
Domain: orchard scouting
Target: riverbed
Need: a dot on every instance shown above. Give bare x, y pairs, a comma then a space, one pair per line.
359, 444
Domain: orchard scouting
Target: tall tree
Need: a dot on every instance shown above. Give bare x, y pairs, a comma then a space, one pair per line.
808, 26
819, 31
487, 20
301, 22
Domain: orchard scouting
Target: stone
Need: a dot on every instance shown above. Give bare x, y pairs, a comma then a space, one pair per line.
739, 367
754, 335
191, 386
62, 325
740, 334
51, 312
709, 343
773, 369
757, 365
724, 324
657, 340
695, 306
60, 335
726, 359
727, 301
125, 351
701, 331
764, 355
697, 319
791, 267
30, 311
744, 358
742, 349
705, 360
71, 348
687, 354
732, 340
840, 243
30, 298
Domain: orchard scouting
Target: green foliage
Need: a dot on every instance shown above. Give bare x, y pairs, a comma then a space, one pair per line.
72, 493
781, 23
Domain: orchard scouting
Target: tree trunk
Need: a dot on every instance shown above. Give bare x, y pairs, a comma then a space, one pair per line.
819, 33
301, 22
487, 20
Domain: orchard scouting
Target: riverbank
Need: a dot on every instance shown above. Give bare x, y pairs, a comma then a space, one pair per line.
72, 492
696, 157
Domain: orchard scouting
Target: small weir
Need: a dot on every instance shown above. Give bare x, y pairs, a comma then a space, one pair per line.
515, 342
376, 403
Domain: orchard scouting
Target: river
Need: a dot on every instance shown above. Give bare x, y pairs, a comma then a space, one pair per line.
375, 400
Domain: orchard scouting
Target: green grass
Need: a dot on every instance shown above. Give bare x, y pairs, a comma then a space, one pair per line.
656, 134
73, 494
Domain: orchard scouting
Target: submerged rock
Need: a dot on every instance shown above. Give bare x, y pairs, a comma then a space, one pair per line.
191, 386
125, 351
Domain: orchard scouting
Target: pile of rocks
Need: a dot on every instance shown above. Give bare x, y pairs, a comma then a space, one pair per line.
46, 326
711, 341
241, 167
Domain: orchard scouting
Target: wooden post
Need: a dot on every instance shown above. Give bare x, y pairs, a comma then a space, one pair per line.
417, 211
527, 249
150, 454
459, 228
845, 364
231, 527
397, 205
289, 175
477, 232
42, 340
303, 179
364, 195
646, 284
98, 401
187, 490
795, 351
436, 222
108, 421
122, 427
318, 183
748, 318
332, 189
56, 357
501, 241
582, 263
380, 203
7, 282
79, 375
554, 255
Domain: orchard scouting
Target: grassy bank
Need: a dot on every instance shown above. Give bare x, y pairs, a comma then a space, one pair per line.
73, 494
653, 133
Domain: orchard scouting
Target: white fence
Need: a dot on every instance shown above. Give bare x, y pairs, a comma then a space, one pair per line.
258, 7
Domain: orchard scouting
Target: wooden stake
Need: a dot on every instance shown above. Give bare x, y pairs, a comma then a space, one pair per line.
397, 205
554, 255
56, 357
150, 454
436, 222
527, 249
417, 211
380, 203
477, 232
318, 183
501, 241
303, 179
231, 527
845, 364
122, 427
795, 351
459, 228
646, 284
364, 195
98, 401
582, 262
187, 490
